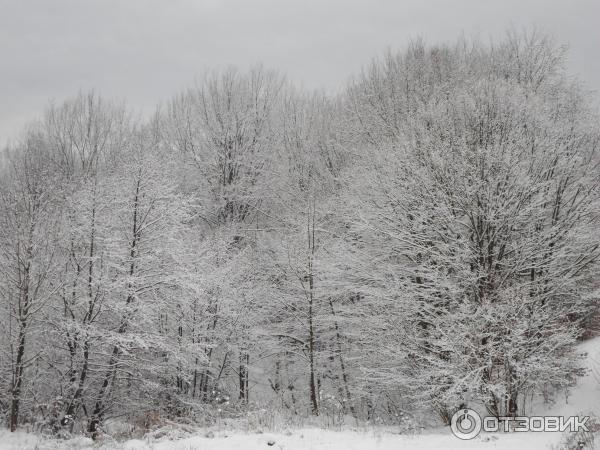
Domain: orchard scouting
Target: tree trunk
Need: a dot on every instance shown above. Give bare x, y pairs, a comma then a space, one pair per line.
338, 339
18, 378
311, 332
311, 354
243, 376
24, 304
99, 407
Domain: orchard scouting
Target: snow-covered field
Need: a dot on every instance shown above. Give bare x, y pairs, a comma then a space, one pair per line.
584, 400
298, 440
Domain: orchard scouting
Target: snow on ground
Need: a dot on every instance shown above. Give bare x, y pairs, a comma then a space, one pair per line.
306, 439
583, 400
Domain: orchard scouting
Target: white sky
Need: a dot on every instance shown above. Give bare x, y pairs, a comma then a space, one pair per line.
143, 51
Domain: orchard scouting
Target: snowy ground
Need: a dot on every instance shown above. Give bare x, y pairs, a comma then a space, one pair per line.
584, 400
297, 440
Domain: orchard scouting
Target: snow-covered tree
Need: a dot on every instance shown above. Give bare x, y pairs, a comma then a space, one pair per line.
477, 219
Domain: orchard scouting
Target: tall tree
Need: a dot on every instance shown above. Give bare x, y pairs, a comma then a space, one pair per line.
28, 196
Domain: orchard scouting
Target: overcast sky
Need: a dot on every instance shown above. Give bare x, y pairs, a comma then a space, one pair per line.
143, 51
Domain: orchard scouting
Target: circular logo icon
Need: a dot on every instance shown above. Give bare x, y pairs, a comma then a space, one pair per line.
465, 424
